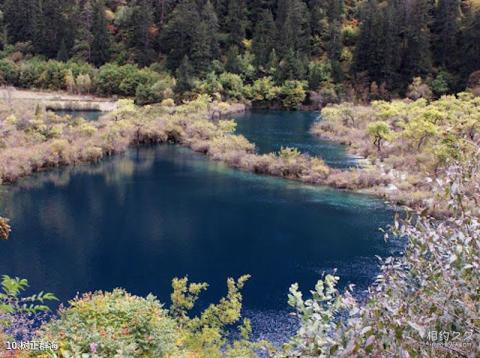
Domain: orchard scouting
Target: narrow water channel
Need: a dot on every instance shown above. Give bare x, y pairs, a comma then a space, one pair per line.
139, 219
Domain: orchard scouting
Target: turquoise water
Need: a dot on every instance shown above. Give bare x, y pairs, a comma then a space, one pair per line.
272, 130
139, 219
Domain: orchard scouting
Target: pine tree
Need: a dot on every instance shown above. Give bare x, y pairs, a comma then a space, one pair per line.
417, 59
294, 31
236, 22
184, 75
100, 46
264, 38
369, 53
209, 17
139, 33
19, 17
179, 33
201, 51
83, 42
446, 28
49, 27
471, 45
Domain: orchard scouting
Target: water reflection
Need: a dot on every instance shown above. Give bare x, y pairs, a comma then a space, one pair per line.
138, 220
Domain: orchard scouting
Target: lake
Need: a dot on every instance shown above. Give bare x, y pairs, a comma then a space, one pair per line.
88, 115
139, 219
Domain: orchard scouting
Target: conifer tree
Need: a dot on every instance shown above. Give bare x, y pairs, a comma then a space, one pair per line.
294, 31
184, 75
264, 38
179, 33
471, 45
100, 47
236, 22
417, 59
446, 27
20, 19
139, 33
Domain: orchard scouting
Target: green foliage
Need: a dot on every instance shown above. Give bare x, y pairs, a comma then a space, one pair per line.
441, 84
293, 94
318, 73
379, 131
232, 85
12, 301
264, 90
123, 80
113, 323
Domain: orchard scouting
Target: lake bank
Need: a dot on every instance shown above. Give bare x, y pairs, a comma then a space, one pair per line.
58, 100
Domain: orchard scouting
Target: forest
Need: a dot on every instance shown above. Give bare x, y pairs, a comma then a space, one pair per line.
356, 50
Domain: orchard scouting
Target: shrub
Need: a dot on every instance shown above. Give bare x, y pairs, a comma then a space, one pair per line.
111, 324
8, 72
423, 304
84, 83
52, 75
293, 94
264, 89
441, 83
232, 85
419, 89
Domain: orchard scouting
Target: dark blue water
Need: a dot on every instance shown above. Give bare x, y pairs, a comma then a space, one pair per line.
139, 219
272, 130
88, 115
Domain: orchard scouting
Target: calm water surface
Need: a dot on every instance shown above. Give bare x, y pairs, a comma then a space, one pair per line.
88, 115
272, 130
139, 219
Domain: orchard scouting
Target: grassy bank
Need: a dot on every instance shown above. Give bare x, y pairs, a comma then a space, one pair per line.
409, 143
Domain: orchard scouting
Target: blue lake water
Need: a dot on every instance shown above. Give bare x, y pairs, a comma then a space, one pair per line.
139, 219
272, 130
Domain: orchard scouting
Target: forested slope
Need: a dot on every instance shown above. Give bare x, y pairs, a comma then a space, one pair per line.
364, 49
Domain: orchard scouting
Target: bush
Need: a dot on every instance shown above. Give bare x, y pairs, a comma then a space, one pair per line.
8, 72
424, 304
232, 85
111, 324
154, 93
264, 90
293, 94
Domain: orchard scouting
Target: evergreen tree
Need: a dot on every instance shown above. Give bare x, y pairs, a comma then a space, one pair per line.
417, 53
236, 22
184, 75
264, 38
446, 27
294, 31
139, 33
369, 55
201, 51
20, 20
100, 47
50, 26
179, 33
471, 45
209, 17
83, 42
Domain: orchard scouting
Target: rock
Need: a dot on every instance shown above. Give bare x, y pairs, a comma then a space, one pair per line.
392, 187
